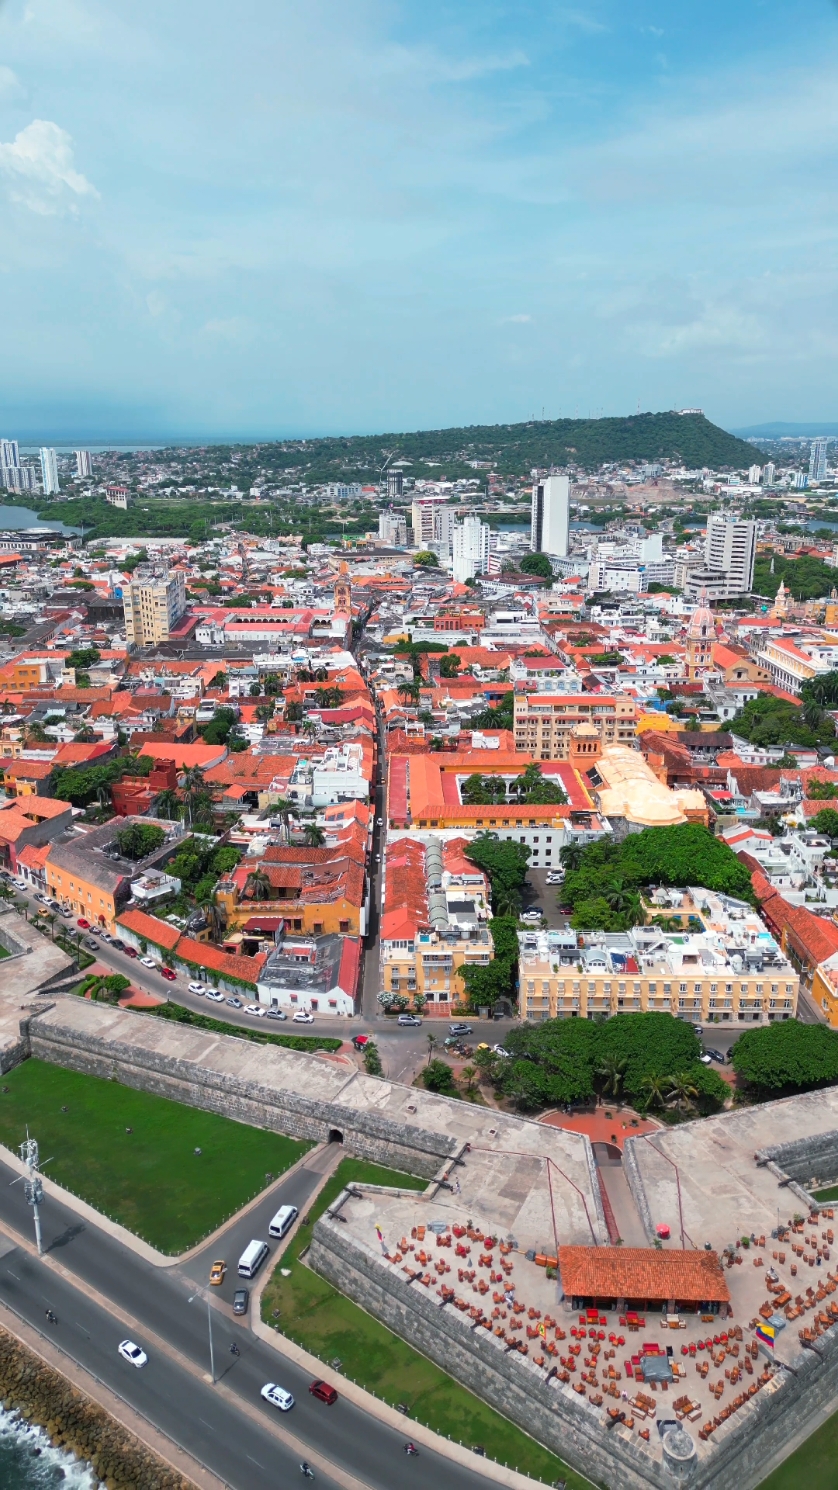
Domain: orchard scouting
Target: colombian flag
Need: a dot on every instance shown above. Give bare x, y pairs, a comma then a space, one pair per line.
766, 1333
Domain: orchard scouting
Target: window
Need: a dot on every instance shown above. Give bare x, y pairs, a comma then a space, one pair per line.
653, 988
714, 987
682, 987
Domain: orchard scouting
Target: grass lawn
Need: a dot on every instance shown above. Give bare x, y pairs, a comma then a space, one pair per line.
830, 1194
150, 1180
316, 1316
812, 1465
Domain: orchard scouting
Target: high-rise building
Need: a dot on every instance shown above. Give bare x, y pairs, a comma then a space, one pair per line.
470, 548
153, 604
49, 470
392, 528
84, 464
731, 548
432, 523
550, 518
754, 475
9, 454
800, 481
395, 484
768, 473
817, 460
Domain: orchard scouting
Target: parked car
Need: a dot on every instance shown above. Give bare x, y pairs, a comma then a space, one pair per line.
106, 936
705, 1058
148, 962
168, 974
716, 1055
115, 942
132, 1353
85, 925
256, 1010
277, 1014
460, 1029
56, 906
323, 1392
277, 1396
409, 1019
131, 952
65, 911
197, 987
359, 1041
215, 996
241, 1299
91, 942
500, 1050
217, 1272
554, 878
531, 916
302, 1018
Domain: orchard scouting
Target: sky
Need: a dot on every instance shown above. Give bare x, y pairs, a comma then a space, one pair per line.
277, 218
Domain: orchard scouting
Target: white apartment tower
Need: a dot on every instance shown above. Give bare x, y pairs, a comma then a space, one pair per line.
433, 521
817, 460
49, 471
153, 604
730, 550
84, 465
550, 519
768, 474
470, 548
754, 475
392, 528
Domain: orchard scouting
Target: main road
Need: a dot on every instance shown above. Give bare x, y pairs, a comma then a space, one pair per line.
103, 1292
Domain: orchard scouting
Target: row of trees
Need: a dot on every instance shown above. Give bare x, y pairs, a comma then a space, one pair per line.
650, 1059
767, 720
529, 787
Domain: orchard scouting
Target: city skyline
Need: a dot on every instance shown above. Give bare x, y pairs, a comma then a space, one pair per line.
354, 218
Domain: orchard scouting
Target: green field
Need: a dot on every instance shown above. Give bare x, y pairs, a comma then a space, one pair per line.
814, 1465
830, 1194
150, 1180
316, 1316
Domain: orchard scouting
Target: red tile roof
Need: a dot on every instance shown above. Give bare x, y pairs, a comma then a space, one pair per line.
150, 929
642, 1273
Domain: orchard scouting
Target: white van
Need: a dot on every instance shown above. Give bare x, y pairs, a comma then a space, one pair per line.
283, 1220
252, 1258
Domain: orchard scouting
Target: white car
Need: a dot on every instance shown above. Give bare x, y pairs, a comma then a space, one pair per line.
148, 962
215, 996
199, 988
531, 916
555, 879
302, 1018
132, 1353
255, 1009
277, 1396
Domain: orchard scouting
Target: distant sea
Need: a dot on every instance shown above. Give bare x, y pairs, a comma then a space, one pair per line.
29, 1462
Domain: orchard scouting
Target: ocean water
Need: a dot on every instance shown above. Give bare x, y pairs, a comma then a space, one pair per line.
28, 1460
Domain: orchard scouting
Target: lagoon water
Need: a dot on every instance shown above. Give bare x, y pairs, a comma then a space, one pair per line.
29, 1462
24, 517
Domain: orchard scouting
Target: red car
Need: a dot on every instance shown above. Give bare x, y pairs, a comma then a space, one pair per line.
324, 1392
130, 952
85, 925
359, 1041
166, 972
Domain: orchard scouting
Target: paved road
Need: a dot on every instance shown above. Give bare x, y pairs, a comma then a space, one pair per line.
217, 1425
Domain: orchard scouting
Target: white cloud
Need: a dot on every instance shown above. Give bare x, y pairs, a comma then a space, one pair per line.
512, 319
38, 167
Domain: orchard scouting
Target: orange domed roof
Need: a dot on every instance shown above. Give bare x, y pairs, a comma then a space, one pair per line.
702, 621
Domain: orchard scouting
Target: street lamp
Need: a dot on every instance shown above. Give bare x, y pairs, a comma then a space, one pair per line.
33, 1184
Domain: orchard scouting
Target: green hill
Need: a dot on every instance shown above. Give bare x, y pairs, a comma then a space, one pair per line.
513, 449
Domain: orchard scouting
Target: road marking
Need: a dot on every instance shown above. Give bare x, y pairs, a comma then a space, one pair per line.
82, 1327
13, 1275
212, 1430
254, 1461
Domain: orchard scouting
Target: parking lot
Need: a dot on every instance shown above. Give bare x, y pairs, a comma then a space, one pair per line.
538, 895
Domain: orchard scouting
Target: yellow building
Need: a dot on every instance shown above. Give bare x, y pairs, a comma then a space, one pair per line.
733, 971
545, 722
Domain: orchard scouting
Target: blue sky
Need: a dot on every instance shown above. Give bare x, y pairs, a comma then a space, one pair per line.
346, 215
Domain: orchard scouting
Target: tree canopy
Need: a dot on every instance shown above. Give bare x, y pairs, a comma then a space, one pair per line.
537, 564
767, 720
505, 862
781, 1059
138, 840
603, 887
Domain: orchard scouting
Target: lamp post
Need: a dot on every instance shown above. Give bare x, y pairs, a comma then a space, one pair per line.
32, 1184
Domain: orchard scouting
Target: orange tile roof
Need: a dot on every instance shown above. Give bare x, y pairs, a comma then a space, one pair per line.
204, 954
642, 1273
150, 928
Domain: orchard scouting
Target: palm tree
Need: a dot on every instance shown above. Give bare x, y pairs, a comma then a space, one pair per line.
314, 835
506, 902
654, 1089
571, 856
469, 1074
408, 692
612, 1070
309, 727
617, 896
168, 803
258, 885
812, 714
682, 1091
282, 809
431, 1039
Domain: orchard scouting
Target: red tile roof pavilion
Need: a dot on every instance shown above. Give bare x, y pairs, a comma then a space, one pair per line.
642, 1275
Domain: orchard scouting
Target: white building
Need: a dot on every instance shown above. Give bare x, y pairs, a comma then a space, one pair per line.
754, 475
768, 474
433, 521
470, 548
49, 470
84, 464
729, 554
550, 516
392, 528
